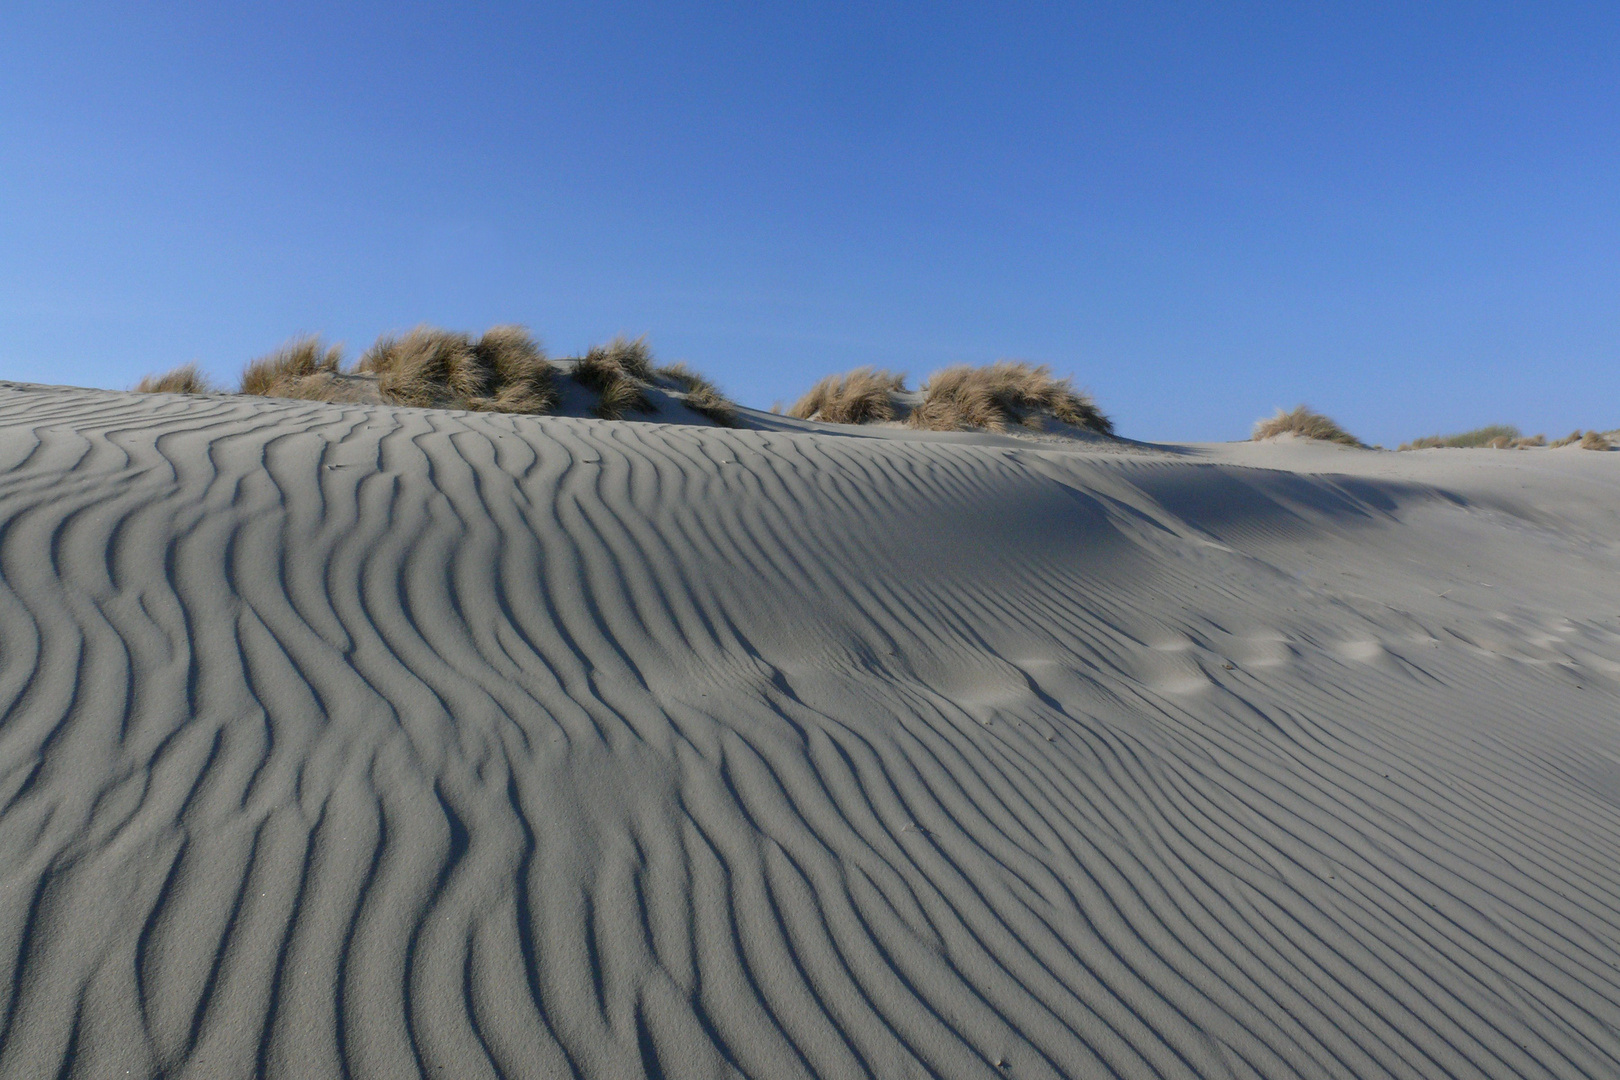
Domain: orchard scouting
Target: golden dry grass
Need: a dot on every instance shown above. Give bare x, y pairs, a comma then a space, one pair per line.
1572, 437
1594, 440
699, 394
1306, 424
523, 380
618, 372
862, 396
185, 379
1006, 392
502, 371
279, 373
1480, 436
426, 367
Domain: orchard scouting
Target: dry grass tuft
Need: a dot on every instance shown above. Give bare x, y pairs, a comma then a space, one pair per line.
1306, 424
634, 358
862, 396
1008, 391
502, 371
1593, 440
185, 379
618, 372
700, 395
1479, 437
522, 379
279, 373
427, 367
1572, 437
620, 396
1533, 440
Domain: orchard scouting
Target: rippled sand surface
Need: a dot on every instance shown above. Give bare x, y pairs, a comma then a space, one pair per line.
372, 742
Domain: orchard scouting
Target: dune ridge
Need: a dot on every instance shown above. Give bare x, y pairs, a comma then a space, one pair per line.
349, 740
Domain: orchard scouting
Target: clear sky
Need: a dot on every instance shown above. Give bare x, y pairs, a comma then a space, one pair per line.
1407, 215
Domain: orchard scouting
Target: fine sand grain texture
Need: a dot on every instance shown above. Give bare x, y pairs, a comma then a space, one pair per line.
344, 740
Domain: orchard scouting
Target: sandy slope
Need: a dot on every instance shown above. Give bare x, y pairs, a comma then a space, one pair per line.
359, 741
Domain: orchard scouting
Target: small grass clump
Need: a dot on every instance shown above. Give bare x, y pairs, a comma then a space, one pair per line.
1588, 440
521, 378
1006, 392
502, 371
619, 373
701, 395
426, 367
862, 396
185, 379
302, 368
1306, 424
1488, 435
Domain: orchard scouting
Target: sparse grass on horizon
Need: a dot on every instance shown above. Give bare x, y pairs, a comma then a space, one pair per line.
862, 396
293, 371
701, 395
504, 370
185, 379
1594, 440
1006, 392
1478, 437
619, 372
1306, 424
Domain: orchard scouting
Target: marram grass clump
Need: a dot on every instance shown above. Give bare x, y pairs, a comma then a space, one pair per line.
618, 372
994, 396
302, 368
1490, 435
699, 394
1586, 440
863, 396
185, 379
521, 377
1306, 424
426, 367
503, 370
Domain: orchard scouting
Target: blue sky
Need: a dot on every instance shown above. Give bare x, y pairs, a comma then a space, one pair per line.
1407, 215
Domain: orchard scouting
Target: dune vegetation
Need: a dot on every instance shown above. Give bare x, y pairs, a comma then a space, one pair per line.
1507, 437
1488, 435
865, 395
1491, 436
700, 395
619, 373
1306, 424
185, 379
991, 397
503, 370
302, 368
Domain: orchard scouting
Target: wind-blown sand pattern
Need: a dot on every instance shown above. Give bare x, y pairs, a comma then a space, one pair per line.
376, 742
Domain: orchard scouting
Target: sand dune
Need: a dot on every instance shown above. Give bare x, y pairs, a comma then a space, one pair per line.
345, 740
